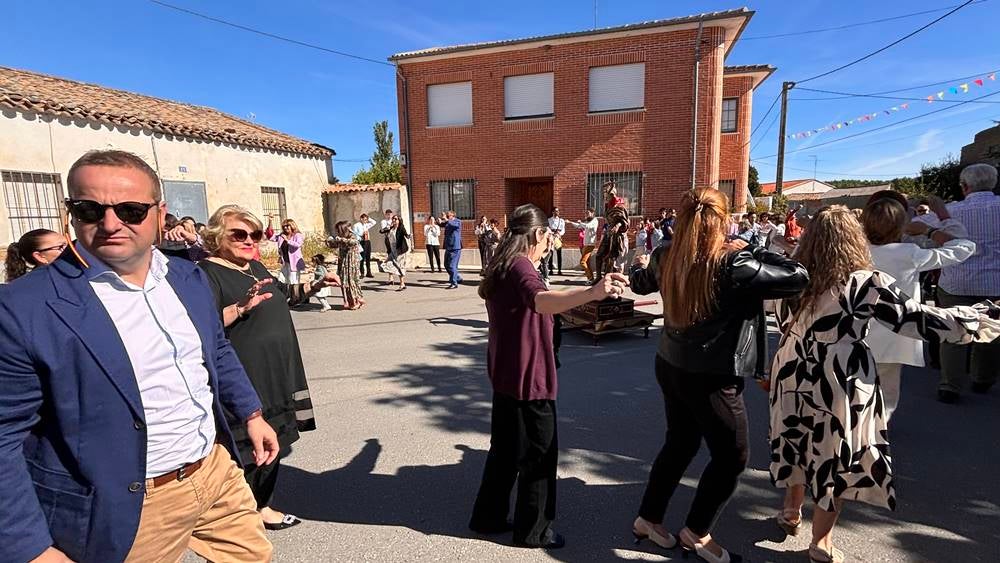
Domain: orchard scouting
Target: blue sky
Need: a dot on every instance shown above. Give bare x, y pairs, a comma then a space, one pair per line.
139, 46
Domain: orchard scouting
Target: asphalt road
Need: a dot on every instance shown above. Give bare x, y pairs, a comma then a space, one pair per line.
403, 403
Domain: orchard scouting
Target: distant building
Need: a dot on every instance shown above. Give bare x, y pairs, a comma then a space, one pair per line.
205, 158
854, 198
789, 187
985, 148
547, 120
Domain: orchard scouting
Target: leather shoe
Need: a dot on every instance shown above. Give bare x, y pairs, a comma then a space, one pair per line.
553, 540
981, 387
947, 396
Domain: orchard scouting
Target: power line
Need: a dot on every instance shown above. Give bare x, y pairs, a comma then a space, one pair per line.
850, 95
870, 131
901, 175
268, 34
896, 42
950, 80
849, 25
908, 137
761, 122
764, 136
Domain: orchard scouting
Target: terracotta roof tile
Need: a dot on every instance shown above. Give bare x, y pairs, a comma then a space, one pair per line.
340, 188
40, 93
769, 187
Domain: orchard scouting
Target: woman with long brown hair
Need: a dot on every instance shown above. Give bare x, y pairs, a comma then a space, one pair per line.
521, 365
35, 248
828, 429
713, 336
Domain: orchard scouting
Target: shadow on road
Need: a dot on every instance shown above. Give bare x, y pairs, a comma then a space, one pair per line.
611, 419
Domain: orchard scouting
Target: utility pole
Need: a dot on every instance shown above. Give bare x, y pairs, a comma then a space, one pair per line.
779, 174
815, 160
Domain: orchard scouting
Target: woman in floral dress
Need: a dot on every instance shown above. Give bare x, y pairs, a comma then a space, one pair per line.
828, 427
348, 265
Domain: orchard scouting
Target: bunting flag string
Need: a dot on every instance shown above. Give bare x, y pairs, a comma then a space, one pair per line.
954, 91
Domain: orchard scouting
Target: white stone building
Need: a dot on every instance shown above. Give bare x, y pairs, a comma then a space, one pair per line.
204, 157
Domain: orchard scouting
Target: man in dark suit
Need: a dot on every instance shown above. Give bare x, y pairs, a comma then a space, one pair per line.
115, 375
452, 226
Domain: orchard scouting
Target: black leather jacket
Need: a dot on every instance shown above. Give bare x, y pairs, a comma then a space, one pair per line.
733, 341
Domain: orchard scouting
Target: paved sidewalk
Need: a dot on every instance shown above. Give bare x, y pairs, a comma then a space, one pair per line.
402, 403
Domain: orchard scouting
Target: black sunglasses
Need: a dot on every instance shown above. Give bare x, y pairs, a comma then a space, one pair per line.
129, 212
239, 235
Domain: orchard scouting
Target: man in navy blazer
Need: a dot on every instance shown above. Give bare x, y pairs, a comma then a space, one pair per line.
114, 378
452, 248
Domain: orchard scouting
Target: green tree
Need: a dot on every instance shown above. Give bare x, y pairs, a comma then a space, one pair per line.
779, 205
753, 182
384, 165
941, 179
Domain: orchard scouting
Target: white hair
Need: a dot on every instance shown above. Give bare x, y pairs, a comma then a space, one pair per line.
979, 177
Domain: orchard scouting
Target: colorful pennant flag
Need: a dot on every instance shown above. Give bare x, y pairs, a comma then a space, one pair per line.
953, 90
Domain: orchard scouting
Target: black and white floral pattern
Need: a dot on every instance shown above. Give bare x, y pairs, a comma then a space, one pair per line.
828, 428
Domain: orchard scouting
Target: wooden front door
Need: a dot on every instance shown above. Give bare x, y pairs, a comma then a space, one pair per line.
535, 191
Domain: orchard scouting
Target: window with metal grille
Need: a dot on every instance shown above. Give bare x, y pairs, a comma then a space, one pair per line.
728, 187
629, 186
274, 203
454, 195
34, 201
729, 109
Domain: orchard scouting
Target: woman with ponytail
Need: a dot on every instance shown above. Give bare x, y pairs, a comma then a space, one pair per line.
714, 335
35, 248
522, 369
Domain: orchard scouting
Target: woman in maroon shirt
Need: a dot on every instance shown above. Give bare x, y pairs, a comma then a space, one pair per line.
522, 369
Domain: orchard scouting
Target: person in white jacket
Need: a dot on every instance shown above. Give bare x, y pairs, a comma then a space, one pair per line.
885, 221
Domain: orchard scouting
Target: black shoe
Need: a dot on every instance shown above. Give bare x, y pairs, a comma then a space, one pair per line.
287, 522
553, 540
980, 387
947, 396
369, 275
492, 529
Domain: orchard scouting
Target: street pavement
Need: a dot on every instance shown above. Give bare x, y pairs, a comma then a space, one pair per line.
403, 404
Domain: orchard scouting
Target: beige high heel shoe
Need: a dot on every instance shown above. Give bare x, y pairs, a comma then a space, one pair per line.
643, 529
819, 555
692, 544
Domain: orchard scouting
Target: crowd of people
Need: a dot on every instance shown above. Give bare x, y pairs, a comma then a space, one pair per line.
174, 342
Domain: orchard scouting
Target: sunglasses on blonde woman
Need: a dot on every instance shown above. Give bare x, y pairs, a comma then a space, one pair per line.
240, 235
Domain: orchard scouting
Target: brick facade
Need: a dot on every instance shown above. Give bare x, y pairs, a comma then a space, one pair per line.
567, 147
734, 158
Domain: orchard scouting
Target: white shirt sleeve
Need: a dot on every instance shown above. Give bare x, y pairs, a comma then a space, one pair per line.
952, 252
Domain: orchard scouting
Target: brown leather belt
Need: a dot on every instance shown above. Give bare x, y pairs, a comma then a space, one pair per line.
177, 475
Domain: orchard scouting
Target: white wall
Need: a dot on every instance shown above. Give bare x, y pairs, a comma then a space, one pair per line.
232, 174
810, 187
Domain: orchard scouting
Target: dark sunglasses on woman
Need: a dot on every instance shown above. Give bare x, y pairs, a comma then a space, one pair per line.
240, 235
128, 212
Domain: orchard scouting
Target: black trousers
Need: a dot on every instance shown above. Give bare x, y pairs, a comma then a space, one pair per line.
556, 254
434, 253
699, 406
482, 255
523, 447
262, 479
366, 258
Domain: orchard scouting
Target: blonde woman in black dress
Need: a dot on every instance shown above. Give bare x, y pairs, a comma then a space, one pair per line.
261, 331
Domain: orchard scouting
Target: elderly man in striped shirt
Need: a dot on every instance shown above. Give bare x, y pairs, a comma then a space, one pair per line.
974, 280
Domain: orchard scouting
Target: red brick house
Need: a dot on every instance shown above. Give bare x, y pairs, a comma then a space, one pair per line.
546, 120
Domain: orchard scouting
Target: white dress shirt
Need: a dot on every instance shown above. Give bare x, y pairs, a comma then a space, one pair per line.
165, 351
904, 261
558, 226
362, 227
980, 274
589, 230
432, 234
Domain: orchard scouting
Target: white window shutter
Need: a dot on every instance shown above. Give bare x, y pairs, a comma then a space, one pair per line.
449, 104
616, 88
528, 95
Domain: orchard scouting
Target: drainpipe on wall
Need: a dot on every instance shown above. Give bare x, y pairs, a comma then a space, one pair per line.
694, 115
409, 147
